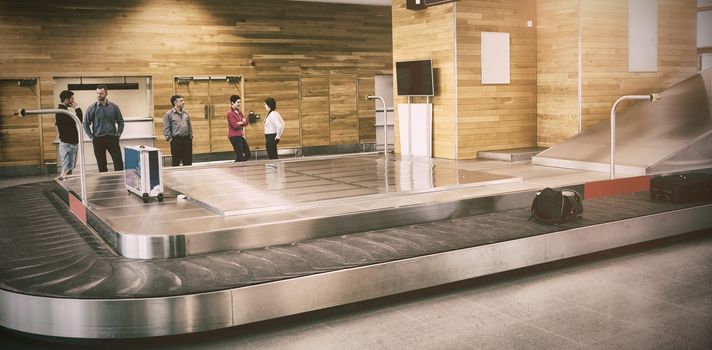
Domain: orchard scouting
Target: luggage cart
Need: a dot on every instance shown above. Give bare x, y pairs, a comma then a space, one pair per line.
143, 172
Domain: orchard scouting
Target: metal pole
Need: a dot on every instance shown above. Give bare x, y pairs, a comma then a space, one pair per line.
82, 177
385, 122
650, 97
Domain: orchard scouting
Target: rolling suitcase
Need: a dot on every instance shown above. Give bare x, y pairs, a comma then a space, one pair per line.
682, 188
143, 172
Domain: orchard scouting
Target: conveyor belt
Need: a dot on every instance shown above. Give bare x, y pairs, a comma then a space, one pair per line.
45, 251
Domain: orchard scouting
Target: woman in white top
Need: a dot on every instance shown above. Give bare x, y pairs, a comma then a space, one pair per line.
274, 125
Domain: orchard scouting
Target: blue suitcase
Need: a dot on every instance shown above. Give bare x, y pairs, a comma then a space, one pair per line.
143, 172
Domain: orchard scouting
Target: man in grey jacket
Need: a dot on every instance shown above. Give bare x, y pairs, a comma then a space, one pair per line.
178, 132
104, 124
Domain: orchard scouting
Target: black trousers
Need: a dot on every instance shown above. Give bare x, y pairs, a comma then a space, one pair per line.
241, 148
181, 150
102, 144
271, 146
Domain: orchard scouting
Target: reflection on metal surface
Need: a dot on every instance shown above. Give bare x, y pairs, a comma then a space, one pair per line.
115, 318
258, 204
652, 137
273, 186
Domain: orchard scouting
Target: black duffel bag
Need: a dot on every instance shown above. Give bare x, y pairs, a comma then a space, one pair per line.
553, 207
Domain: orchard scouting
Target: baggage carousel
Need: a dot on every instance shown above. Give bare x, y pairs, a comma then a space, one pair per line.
233, 244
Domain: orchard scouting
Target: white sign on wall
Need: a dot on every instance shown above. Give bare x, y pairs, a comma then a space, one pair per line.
643, 35
495, 57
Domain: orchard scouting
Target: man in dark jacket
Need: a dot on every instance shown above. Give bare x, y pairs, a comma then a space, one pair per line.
68, 135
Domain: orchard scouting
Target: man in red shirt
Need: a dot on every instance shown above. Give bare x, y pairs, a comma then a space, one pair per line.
236, 130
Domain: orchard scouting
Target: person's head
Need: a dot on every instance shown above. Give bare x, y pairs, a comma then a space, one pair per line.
235, 101
270, 104
101, 92
66, 97
177, 101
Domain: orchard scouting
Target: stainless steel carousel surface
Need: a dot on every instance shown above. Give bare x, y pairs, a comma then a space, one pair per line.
223, 206
61, 278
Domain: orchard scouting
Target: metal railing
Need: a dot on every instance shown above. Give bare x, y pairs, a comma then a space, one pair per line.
385, 122
82, 176
650, 97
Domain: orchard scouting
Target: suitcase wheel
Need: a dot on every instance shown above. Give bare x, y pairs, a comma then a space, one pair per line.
160, 197
145, 198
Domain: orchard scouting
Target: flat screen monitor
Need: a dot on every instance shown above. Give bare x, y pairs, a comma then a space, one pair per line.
415, 78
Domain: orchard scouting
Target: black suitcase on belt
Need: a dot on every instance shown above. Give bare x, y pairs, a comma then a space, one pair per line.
682, 188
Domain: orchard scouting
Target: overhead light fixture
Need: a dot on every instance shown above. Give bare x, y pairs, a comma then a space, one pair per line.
27, 82
110, 86
417, 5
183, 80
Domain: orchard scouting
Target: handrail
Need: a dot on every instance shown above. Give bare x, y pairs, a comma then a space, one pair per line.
649, 97
385, 122
82, 176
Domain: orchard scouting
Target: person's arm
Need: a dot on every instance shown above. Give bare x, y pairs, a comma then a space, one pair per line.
167, 130
232, 120
190, 126
241, 121
119, 121
279, 122
78, 112
88, 122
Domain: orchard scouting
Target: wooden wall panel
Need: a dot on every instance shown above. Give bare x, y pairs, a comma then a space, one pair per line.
557, 70
605, 74
343, 109
422, 35
501, 116
19, 137
367, 110
314, 105
167, 38
604, 60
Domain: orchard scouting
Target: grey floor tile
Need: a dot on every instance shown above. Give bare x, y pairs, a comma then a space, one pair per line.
315, 336
517, 336
688, 296
581, 325
630, 307
388, 329
455, 314
690, 327
522, 303
642, 339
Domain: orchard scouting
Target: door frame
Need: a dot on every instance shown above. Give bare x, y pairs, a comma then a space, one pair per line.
211, 106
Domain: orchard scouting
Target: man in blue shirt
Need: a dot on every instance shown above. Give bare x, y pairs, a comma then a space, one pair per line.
104, 124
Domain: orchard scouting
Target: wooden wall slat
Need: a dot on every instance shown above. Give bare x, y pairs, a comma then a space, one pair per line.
19, 137
604, 60
499, 116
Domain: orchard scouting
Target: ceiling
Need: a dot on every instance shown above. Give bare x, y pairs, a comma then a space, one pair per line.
357, 2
